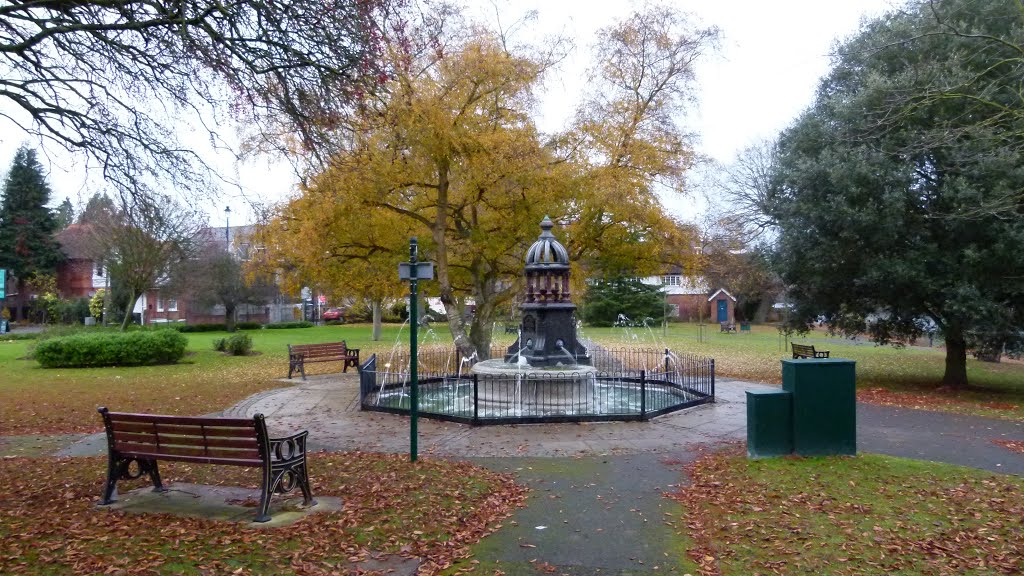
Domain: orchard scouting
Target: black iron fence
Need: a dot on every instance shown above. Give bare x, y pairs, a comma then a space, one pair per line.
622, 384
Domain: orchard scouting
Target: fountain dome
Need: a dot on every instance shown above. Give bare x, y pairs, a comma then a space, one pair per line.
547, 251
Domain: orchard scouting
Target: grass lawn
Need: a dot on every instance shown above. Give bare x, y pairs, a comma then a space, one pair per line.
34, 400
839, 515
431, 510
909, 376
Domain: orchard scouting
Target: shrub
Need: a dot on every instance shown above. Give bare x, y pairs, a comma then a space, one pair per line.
70, 311
239, 345
200, 327
288, 325
360, 311
220, 344
96, 303
248, 325
111, 349
334, 322
9, 337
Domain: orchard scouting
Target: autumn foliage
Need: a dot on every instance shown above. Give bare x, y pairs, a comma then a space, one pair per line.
450, 152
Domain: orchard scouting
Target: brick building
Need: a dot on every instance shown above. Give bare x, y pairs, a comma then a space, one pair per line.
692, 300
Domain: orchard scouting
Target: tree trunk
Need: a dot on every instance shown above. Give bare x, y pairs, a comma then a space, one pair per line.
456, 323
229, 317
956, 359
19, 302
481, 330
763, 308
375, 306
128, 310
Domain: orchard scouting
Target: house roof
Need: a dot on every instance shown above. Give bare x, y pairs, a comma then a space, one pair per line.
76, 241
719, 291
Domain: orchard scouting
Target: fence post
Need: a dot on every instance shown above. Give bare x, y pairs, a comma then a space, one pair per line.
476, 399
666, 363
643, 395
712, 379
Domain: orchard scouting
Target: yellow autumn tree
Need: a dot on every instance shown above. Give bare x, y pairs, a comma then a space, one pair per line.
449, 152
629, 143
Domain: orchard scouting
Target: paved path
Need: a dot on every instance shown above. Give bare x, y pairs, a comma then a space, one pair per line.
328, 406
329, 409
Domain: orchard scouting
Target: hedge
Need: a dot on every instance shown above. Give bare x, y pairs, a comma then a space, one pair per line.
112, 349
200, 327
286, 325
9, 337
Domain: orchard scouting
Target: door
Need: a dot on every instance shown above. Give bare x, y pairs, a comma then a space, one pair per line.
723, 311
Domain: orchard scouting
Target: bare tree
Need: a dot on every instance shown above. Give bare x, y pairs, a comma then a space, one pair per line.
141, 244
80, 74
742, 191
215, 277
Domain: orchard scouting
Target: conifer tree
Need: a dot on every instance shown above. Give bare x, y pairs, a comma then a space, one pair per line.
27, 245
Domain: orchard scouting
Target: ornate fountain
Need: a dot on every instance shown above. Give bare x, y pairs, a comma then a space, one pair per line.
547, 375
547, 334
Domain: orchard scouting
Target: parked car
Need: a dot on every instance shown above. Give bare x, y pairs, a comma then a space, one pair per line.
333, 314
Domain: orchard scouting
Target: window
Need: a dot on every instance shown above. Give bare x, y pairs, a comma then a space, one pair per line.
673, 310
168, 304
671, 280
99, 269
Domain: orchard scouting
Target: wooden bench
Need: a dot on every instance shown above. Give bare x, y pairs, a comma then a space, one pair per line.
727, 327
147, 438
299, 354
805, 351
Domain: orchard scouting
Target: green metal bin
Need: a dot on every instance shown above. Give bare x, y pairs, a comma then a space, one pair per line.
769, 423
824, 405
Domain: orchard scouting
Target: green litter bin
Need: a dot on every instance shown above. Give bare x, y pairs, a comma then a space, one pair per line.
824, 405
769, 423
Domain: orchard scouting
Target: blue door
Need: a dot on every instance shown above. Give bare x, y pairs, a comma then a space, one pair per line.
723, 311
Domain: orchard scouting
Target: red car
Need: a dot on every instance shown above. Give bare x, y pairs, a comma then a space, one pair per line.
333, 314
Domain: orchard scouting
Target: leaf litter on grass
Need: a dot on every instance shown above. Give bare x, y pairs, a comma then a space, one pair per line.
431, 510
841, 515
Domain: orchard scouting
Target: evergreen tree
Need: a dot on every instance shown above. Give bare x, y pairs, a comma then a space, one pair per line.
27, 245
897, 209
64, 214
99, 208
623, 300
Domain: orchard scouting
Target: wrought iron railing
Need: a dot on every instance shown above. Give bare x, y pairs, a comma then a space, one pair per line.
625, 384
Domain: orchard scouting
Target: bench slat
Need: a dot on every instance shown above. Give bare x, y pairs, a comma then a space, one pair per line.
165, 450
186, 420
252, 463
211, 441
216, 431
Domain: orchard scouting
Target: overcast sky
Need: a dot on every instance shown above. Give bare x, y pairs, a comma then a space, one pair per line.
772, 55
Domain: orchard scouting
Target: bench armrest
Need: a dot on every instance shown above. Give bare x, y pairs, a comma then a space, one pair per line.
289, 447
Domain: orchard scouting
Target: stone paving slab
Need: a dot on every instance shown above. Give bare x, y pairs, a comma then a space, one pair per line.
328, 406
224, 503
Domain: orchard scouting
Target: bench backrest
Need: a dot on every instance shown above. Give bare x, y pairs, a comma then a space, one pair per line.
232, 441
319, 350
802, 350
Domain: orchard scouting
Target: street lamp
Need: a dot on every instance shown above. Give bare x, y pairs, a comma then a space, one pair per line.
227, 228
